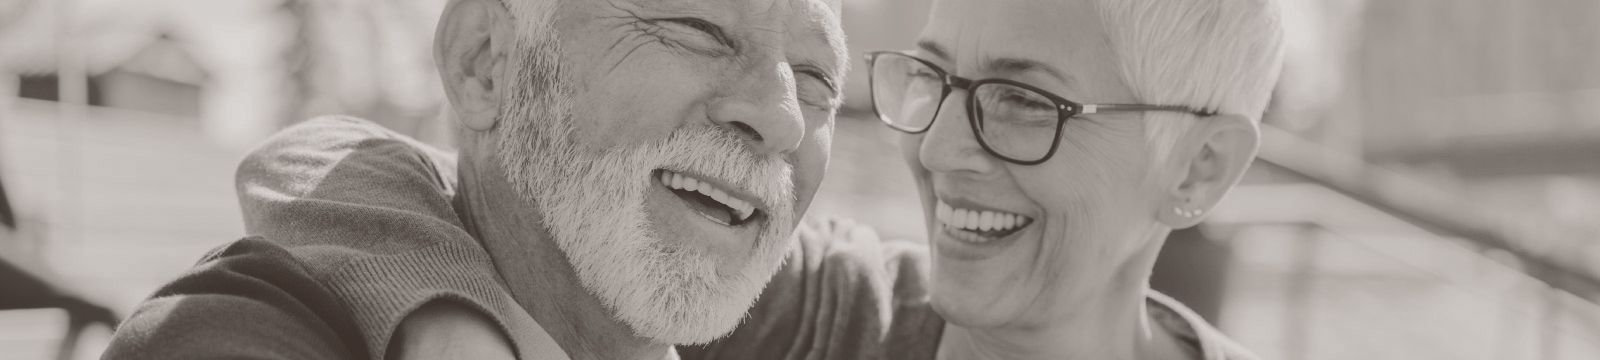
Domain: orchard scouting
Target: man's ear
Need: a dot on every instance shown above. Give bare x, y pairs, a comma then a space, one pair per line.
1211, 159
470, 50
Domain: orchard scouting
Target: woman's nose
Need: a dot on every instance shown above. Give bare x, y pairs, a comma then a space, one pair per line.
762, 107
950, 145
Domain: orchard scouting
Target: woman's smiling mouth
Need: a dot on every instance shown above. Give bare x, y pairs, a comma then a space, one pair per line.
978, 226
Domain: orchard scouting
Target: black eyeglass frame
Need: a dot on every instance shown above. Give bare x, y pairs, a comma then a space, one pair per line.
1065, 109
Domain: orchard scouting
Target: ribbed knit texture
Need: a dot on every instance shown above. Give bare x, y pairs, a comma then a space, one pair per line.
355, 225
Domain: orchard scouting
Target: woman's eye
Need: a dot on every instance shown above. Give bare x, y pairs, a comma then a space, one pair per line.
924, 74
1026, 100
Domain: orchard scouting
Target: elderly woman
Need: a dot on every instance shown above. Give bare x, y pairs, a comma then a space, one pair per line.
1055, 144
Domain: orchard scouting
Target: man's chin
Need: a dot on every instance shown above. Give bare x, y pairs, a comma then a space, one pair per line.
667, 292
702, 298
690, 312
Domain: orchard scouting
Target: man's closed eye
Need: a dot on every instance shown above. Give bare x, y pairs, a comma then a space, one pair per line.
815, 88
696, 34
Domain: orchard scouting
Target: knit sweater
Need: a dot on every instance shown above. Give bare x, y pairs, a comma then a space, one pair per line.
350, 229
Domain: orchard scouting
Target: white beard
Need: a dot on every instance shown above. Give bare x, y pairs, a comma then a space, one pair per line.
594, 207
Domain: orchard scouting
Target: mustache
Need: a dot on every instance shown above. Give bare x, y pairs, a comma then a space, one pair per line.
720, 153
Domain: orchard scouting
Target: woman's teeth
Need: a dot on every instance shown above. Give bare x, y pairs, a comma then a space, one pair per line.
993, 222
742, 210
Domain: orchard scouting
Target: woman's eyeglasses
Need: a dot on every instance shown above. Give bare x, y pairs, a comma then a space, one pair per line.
1015, 122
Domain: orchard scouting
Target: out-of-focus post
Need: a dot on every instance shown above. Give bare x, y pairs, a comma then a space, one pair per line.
72, 106
1302, 274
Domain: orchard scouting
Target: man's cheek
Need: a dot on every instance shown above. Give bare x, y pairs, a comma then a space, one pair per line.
810, 167
637, 108
821, 137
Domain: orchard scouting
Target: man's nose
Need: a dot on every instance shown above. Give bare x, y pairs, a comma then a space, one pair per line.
950, 144
762, 107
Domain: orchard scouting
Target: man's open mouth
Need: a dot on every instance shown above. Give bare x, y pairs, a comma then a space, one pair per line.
712, 202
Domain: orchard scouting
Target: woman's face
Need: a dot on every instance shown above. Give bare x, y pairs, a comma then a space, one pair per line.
1083, 214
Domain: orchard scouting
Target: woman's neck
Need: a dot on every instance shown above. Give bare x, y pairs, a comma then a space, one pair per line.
1112, 324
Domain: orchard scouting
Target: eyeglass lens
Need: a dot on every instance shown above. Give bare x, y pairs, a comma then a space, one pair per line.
1012, 121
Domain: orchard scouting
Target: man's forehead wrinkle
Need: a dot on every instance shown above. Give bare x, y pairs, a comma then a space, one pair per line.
675, 5
715, 11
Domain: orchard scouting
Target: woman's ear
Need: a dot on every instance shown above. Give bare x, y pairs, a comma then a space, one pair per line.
1212, 158
470, 50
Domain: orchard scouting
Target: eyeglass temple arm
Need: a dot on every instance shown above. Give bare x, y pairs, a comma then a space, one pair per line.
1102, 108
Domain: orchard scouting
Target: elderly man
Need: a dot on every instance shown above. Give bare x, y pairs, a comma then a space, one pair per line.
629, 176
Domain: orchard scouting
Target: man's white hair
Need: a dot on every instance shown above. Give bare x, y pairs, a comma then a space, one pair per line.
1216, 55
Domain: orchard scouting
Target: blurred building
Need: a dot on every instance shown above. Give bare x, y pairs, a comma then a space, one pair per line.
1492, 102
160, 77
235, 44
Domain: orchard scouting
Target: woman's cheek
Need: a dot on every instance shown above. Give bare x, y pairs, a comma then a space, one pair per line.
911, 152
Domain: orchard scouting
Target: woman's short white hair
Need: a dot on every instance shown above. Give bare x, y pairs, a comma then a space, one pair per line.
1216, 55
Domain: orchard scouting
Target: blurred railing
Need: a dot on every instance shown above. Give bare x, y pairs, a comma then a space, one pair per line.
1439, 211
1337, 258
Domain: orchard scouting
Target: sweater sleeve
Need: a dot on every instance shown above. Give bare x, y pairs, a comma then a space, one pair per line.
830, 300
246, 300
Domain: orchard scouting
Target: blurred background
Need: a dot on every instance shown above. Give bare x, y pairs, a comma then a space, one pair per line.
1428, 188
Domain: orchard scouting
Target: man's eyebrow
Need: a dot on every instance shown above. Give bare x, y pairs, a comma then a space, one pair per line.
1010, 65
934, 49
829, 33
834, 37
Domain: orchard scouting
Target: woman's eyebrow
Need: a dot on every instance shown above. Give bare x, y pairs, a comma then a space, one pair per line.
1013, 65
934, 49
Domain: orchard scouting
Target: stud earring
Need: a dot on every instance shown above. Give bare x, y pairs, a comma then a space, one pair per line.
1187, 213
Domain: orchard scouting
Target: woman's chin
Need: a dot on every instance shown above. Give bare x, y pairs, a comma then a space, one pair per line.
976, 283
968, 299
970, 313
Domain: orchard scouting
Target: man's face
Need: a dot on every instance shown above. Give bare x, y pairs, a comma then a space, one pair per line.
676, 148
1082, 212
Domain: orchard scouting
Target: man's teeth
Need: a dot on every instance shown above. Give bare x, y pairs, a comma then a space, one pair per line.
978, 220
742, 210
